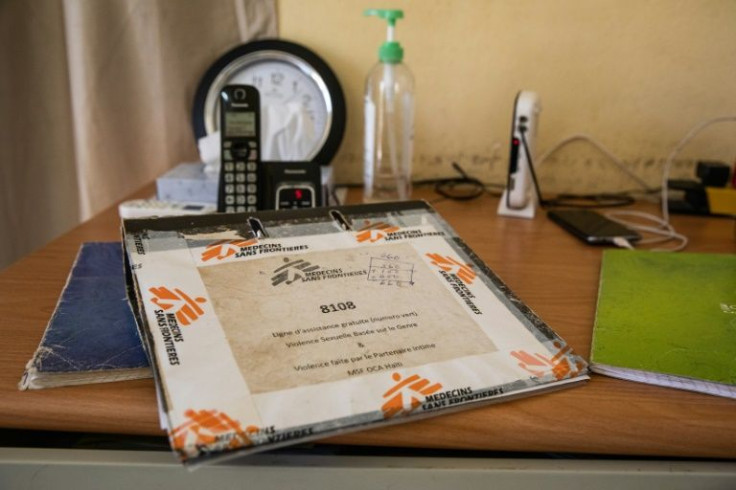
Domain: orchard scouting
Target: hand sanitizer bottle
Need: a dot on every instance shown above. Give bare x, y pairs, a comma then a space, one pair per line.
389, 120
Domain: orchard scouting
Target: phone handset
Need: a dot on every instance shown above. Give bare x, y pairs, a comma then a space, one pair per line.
520, 198
240, 139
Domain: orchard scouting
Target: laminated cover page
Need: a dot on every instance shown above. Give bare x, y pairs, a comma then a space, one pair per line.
289, 326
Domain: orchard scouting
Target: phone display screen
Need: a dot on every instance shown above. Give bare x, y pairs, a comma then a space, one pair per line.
240, 124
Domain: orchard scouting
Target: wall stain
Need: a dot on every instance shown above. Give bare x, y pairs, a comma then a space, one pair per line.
578, 174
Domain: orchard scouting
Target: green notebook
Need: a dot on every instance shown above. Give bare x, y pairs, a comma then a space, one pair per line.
667, 319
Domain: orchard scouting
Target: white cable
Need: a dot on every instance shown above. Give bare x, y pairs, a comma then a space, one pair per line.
622, 242
619, 163
663, 230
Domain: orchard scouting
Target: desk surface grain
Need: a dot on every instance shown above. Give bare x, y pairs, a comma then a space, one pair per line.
556, 275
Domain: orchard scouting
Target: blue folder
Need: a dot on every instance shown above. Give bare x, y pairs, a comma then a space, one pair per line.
92, 336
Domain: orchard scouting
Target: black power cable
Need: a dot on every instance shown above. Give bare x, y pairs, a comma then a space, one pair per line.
463, 188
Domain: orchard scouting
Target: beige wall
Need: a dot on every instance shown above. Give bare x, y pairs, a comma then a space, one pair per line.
636, 75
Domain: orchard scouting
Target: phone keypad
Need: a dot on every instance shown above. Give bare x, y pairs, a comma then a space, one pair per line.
239, 179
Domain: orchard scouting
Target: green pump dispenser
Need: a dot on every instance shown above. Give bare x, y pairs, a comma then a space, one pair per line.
390, 51
389, 120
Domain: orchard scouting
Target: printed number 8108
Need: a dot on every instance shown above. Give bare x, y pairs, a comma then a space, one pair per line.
331, 308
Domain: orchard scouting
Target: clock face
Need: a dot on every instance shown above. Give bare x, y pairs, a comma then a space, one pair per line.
302, 106
284, 86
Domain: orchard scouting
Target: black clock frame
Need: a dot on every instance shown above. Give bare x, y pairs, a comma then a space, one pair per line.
337, 128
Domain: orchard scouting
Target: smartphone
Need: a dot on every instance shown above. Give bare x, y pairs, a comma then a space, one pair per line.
240, 188
591, 227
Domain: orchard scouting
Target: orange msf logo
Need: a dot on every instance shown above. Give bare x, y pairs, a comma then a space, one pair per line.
223, 249
372, 232
452, 266
406, 395
559, 365
187, 310
206, 427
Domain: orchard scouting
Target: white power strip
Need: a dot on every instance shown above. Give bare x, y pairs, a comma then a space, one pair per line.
147, 208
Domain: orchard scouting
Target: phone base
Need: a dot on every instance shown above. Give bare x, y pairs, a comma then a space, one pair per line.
527, 211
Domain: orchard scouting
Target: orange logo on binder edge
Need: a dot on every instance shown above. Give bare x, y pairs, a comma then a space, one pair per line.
464, 272
372, 232
223, 249
204, 428
559, 365
406, 395
187, 309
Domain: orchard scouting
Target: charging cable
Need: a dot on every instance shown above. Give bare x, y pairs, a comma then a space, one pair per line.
659, 228
622, 242
600, 200
617, 161
530, 163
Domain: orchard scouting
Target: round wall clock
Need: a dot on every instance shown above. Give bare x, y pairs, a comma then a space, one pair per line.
291, 79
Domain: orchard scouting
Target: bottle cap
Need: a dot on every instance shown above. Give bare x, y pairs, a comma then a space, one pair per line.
390, 51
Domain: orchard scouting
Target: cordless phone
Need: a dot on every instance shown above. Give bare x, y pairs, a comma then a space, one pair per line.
240, 121
520, 198
523, 140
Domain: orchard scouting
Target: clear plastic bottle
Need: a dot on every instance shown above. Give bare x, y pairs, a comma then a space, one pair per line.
389, 121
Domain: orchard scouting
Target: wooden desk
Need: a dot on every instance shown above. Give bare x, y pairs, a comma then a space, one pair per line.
551, 271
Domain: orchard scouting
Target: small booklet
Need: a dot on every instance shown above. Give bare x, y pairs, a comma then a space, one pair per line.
667, 319
91, 336
293, 325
